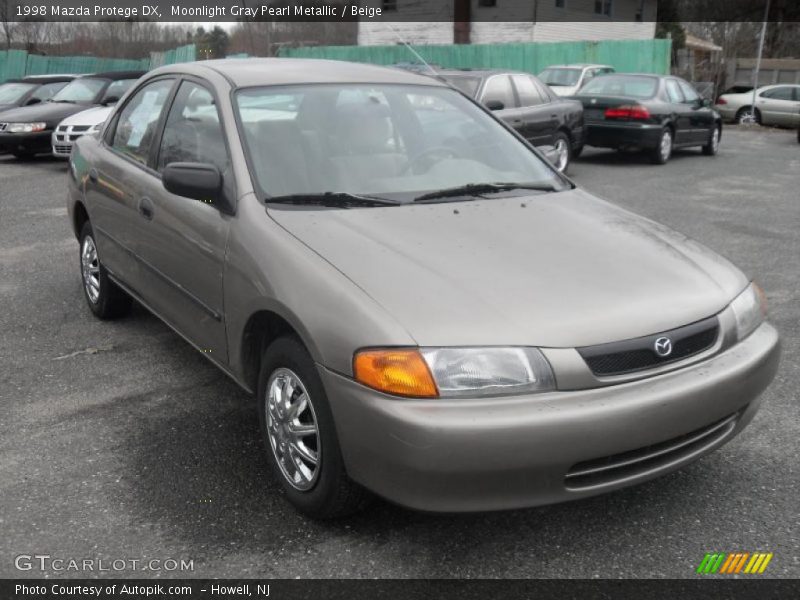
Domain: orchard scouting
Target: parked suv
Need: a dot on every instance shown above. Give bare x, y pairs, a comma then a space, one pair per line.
443, 320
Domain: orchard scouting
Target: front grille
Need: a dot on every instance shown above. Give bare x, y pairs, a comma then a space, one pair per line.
61, 128
62, 149
630, 356
619, 467
80, 128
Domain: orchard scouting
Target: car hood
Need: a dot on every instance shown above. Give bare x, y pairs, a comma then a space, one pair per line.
555, 270
90, 117
51, 113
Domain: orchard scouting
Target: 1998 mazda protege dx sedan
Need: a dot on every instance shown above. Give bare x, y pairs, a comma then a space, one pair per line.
424, 307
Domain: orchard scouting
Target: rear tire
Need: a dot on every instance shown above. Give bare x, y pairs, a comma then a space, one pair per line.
576, 152
563, 146
661, 153
712, 147
105, 299
746, 116
321, 489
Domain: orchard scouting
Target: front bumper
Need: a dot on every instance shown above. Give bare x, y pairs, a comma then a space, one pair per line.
25, 143
726, 111
503, 453
623, 135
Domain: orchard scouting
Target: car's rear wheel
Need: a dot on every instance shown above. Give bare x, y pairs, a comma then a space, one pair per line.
563, 151
712, 147
747, 116
661, 153
576, 152
300, 436
105, 299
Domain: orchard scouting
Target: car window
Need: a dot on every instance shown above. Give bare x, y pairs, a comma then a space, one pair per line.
560, 76
387, 139
468, 85
117, 89
637, 86
690, 95
48, 90
137, 122
498, 89
674, 91
12, 92
80, 90
779, 93
193, 132
527, 90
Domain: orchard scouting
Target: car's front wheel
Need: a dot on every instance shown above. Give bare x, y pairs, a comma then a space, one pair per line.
661, 153
299, 434
712, 147
104, 297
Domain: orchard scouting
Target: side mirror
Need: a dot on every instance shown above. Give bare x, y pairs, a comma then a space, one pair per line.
198, 181
110, 100
32, 101
495, 105
702, 102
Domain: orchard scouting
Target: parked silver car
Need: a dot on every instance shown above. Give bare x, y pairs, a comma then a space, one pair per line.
774, 105
431, 313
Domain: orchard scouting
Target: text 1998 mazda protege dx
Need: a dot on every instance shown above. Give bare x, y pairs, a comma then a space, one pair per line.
424, 307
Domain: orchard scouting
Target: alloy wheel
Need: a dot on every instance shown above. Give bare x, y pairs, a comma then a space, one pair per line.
292, 429
665, 148
562, 150
90, 269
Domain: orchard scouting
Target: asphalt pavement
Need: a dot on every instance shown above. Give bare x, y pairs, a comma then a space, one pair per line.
119, 442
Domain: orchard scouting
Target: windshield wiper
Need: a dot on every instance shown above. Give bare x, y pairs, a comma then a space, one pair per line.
337, 199
479, 189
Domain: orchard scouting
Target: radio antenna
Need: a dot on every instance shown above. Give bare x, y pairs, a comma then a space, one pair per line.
414, 52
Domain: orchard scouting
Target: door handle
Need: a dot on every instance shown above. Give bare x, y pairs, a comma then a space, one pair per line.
146, 208
93, 175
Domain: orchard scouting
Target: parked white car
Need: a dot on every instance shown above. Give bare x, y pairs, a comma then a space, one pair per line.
775, 105
566, 80
72, 128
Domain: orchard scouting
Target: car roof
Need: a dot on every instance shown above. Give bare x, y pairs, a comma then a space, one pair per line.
250, 72
478, 72
579, 66
115, 75
46, 78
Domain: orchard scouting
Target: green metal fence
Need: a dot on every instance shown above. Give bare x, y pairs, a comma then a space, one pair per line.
18, 63
639, 56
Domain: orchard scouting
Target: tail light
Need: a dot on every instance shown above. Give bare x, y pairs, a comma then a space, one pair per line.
721, 100
634, 111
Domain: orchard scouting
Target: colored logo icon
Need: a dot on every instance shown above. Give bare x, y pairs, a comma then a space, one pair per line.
731, 563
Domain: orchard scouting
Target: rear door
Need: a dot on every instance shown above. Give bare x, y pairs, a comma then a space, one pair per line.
183, 241
779, 105
537, 114
119, 177
681, 112
498, 89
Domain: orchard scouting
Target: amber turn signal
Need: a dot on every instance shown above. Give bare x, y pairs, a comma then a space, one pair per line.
401, 372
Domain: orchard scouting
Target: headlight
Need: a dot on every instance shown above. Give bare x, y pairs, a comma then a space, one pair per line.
454, 372
749, 308
26, 127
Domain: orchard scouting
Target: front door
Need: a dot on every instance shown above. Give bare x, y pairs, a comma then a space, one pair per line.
185, 240
701, 117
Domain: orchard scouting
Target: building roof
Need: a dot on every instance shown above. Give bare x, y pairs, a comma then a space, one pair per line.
696, 43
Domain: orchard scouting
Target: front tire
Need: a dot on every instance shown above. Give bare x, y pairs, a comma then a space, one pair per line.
300, 436
105, 299
712, 147
747, 116
661, 153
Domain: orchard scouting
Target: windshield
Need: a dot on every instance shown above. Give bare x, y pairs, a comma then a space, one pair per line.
560, 76
621, 85
468, 85
80, 91
387, 141
12, 92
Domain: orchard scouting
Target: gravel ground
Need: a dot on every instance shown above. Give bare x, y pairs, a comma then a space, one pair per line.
119, 441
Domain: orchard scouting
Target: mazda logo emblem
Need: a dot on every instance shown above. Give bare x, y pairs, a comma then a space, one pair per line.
663, 346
